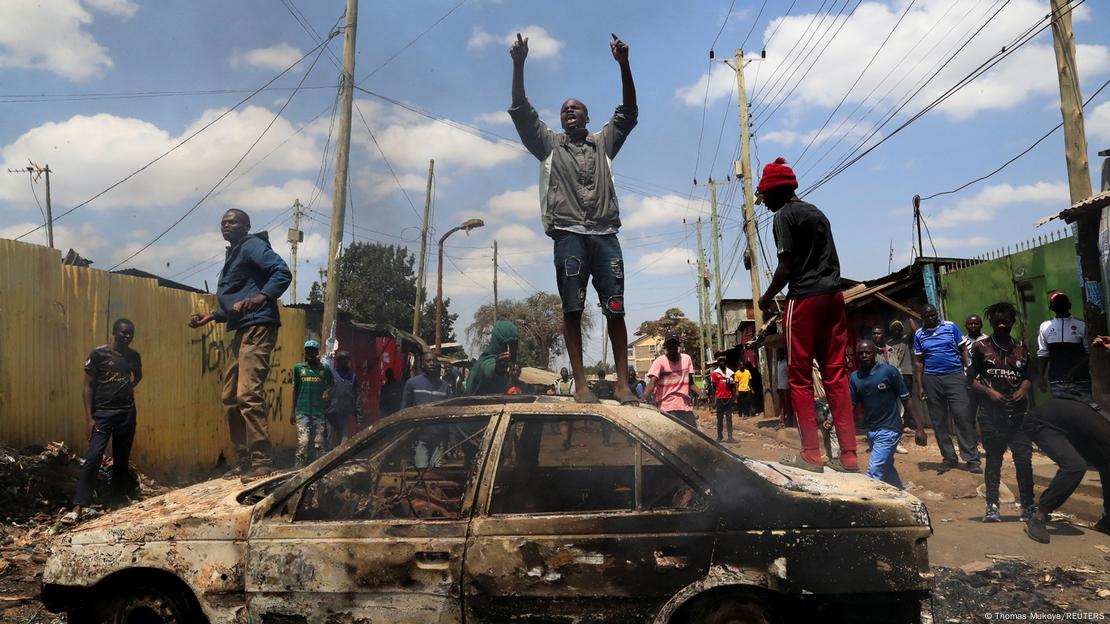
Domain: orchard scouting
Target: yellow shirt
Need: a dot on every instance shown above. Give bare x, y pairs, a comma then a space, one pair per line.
743, 380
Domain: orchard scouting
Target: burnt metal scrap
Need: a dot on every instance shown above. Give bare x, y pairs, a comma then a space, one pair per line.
483, 511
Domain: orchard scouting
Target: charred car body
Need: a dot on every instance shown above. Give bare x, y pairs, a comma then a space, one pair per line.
490, 510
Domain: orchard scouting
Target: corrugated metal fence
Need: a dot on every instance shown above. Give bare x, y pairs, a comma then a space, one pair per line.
52, 315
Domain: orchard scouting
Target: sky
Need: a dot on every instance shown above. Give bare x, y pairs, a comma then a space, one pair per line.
98, 89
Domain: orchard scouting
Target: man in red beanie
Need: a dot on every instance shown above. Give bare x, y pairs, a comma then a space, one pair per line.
814, 322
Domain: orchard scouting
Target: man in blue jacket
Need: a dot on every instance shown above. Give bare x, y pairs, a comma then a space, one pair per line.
252, 280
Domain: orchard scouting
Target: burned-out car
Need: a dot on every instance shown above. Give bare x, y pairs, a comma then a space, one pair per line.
498, 509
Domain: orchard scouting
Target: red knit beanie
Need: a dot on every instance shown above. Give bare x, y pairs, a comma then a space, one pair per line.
777, 174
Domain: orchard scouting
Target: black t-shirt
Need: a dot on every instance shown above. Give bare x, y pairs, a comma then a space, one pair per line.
804, 232
114, 375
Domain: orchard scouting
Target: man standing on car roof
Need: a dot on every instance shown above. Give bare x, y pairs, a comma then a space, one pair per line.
814, 323
252, 280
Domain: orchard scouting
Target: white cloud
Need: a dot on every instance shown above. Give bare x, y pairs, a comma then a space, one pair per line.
670, 261
1027, 73
791, 137
271, 197
92, 152
721, 79
276, 57
479, 39
541, 45
641, 212
52, 36
524, 204
1098, 124
983, 205
84, 239
380, 184
496, 118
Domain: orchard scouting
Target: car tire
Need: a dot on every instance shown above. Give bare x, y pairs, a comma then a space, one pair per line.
733, 609
152, 604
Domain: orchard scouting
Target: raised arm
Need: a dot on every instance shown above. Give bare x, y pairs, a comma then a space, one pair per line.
519, 52
620, 53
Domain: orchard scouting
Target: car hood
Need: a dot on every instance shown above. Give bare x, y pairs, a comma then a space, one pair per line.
205, 511
850, 499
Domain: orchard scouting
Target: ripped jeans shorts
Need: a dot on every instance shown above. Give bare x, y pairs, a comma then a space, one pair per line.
580, 256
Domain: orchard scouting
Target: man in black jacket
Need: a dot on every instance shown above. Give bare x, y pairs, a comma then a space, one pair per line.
252, 280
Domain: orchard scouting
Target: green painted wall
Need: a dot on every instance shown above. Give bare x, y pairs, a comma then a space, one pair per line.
1040, 270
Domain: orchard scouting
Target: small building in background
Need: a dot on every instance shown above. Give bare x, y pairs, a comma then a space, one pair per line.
642, 352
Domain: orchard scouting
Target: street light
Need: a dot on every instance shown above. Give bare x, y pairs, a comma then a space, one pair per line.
466, 226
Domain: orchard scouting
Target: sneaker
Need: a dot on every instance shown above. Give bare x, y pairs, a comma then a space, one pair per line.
1036, 530
1103, 525
992, 514
974, 468
1027, 512
900, 450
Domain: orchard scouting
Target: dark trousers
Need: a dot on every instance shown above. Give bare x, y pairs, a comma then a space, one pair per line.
724, 414
744, 403
1002, 431
947, 396
119, 425
1074, 436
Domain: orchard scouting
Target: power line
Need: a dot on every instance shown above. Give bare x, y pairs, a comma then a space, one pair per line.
855, 82
754, 22
963, 82
767, 42
1018, 156
788, 62
724, 23
412, 41
233, 167
185, 140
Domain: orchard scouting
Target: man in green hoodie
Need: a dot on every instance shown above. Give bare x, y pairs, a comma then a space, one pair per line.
490, 374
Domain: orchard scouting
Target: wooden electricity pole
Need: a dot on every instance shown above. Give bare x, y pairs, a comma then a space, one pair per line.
295, 237
418, 306
35, 171
496, 310
1079, 183
342, 158
744, 172
702, 330
1071, 102
720, 316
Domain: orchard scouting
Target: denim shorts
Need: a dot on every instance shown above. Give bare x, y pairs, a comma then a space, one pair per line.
580, 256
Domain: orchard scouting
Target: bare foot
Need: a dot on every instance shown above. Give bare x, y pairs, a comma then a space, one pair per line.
627, 397
585, 395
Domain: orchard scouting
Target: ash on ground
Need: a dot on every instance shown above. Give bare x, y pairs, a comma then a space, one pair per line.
1010, 585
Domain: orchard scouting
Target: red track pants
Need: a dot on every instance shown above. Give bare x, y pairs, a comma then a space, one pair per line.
816, 329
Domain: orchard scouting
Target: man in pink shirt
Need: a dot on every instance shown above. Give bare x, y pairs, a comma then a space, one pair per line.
670, 380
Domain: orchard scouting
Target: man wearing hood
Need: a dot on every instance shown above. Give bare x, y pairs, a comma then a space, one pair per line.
252, 280
490, 374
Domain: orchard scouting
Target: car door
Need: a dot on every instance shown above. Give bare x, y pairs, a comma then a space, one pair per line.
378, 534
581, 521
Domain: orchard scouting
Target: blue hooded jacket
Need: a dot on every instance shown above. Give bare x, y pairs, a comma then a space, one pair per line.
251, 267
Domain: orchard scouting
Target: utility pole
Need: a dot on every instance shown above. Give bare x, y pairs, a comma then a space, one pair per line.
496, 310
744, 172
1079, 183
1071, 102
720, 316
35, 171
418, 307
295, 237
342, 158
701, 299
917, 224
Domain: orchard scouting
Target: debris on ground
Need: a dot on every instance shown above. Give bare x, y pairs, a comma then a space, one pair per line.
980, 591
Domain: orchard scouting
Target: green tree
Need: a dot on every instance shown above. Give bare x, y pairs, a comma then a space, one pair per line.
377, 284
674, 321
539, 319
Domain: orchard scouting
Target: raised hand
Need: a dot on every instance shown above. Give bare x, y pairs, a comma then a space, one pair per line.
519, 50
619, 49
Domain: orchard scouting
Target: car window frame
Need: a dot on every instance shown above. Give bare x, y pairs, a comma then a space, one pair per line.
285, 509
667, 458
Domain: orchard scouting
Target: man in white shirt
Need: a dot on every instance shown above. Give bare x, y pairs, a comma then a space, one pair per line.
1062, 353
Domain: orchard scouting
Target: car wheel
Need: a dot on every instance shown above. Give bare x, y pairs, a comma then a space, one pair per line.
154, 605
733, 609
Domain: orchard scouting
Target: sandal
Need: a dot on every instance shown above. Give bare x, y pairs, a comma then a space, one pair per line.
795, 460
839, 467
